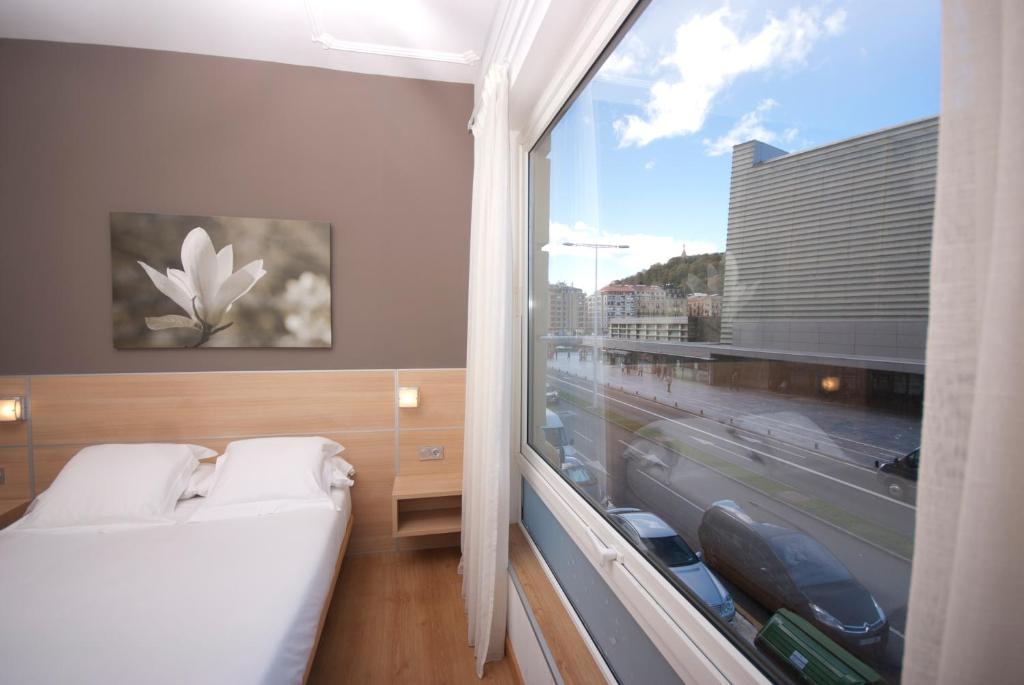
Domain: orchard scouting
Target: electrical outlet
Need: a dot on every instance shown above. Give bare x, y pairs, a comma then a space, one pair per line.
430, 453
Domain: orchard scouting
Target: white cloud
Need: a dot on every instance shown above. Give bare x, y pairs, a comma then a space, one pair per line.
619, 63
709, 53
626, 58
650, 164
575, 265
749, 127
835, 22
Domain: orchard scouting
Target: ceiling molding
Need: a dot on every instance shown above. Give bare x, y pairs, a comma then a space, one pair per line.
511, 36
329, 42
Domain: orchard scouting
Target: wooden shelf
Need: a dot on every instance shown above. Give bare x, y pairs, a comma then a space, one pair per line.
439, 485
429, 522
426, 505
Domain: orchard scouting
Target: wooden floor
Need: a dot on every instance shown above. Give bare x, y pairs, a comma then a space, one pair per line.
398, 617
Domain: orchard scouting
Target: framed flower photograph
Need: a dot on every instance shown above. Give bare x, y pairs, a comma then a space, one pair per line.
184, 281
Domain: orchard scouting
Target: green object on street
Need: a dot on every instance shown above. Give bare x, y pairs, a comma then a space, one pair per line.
817, 658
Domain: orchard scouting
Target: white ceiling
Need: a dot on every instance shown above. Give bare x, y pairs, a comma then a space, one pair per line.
428, 39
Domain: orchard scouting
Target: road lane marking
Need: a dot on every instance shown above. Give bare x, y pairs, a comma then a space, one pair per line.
792, 428
581, 435
777, 422
736, 444
704, 442
788, 505
658, 482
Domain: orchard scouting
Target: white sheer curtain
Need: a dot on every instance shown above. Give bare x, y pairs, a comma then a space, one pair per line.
485, 488
967, 588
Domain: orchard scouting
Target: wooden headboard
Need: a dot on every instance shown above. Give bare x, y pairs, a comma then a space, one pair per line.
356, 408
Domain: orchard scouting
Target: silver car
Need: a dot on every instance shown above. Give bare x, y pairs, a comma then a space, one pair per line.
647, 531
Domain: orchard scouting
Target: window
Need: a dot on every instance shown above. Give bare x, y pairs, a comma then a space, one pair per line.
729, 239
671, 551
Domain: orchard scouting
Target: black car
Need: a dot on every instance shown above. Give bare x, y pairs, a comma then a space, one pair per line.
899, 476
783, 568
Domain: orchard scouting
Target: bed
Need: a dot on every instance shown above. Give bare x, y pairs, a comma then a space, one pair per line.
231, 601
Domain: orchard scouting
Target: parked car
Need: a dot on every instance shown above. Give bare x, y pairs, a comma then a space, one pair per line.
550, 395
787, 569
899, 476
556, 436
580, 475
650, 533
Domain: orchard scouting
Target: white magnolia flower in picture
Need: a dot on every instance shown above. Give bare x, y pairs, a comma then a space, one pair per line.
205, 289
307, 305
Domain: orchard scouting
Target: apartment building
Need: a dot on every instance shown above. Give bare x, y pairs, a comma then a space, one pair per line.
649, 328
567, 307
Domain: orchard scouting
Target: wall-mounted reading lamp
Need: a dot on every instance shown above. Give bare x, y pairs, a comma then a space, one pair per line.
12, 409
408, 397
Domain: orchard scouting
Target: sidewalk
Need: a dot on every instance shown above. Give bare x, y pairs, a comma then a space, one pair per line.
856, 434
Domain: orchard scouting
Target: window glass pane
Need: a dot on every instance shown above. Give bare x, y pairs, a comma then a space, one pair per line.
730, 230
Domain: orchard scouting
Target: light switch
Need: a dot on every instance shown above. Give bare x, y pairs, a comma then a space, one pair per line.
431, 452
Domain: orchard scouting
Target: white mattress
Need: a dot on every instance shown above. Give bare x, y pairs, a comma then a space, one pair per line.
234, 601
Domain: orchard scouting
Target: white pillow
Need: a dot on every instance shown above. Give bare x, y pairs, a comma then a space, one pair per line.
339, 473
116, 485
269, 475
200, 482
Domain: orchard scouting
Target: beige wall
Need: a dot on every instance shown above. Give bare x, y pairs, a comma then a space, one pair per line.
85, 130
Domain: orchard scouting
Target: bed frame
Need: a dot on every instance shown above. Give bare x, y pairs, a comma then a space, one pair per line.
328, 600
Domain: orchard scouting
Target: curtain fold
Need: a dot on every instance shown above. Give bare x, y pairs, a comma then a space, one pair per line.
967, 585
485, 486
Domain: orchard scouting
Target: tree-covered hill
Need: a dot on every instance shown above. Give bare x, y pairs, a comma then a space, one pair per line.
701, 273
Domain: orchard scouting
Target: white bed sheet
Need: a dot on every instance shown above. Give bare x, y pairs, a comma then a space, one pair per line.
232, 601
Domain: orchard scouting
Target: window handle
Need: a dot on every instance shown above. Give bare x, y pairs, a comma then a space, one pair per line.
607, 554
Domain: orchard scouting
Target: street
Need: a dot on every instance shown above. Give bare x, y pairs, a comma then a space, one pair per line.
783, 460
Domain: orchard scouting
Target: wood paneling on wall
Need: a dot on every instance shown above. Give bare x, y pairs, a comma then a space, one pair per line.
410, 441
14, 446
355, 408
442, 398
17, 474
13, 433
147, 407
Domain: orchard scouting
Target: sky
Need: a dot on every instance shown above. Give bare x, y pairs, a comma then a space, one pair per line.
643, 155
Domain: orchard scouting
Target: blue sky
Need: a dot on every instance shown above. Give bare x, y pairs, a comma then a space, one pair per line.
643, 156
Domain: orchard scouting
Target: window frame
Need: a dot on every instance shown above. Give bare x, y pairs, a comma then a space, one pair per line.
694, 647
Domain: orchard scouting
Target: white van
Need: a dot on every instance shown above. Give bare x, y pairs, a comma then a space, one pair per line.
556, 435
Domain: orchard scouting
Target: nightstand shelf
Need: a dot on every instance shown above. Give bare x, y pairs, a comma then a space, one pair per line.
426, 505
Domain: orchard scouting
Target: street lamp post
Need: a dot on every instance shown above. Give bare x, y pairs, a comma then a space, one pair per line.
597, 299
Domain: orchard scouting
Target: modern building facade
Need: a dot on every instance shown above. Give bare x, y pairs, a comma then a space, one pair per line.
651, 328
828, 249
567, 309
